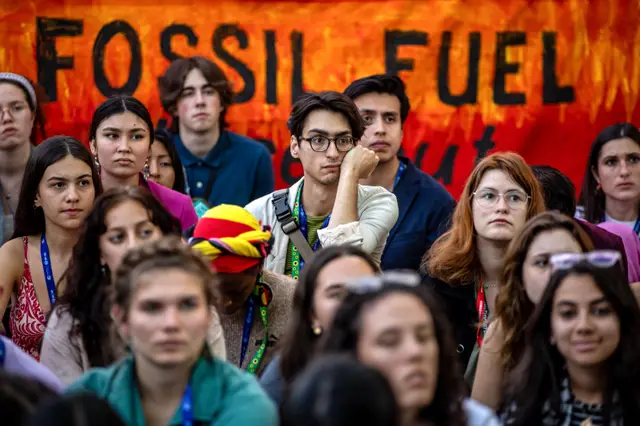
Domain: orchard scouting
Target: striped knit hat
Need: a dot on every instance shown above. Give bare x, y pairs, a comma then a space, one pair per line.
232, 238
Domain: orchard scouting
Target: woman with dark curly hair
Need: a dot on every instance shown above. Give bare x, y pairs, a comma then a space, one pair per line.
580, 365
391, 323
77, 336
525, 276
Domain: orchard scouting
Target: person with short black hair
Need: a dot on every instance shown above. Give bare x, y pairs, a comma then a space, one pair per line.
222, 167
327, 206
75, 410
337, 390
19, 397
425, 205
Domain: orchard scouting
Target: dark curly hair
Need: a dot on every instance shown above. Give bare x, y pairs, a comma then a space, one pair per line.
513, 306
538, 376
85, 296
446, 407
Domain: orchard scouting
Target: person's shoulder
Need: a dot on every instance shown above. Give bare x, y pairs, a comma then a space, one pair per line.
236, 383
259, 204
247, 144
13, 247
428, 183
367, 192
96, 380
283, 286
479, 414
172, 194
60, 318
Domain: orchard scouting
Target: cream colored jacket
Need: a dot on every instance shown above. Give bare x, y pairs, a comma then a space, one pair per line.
377, 213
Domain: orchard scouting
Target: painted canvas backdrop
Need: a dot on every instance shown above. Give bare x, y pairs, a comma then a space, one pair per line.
537, 77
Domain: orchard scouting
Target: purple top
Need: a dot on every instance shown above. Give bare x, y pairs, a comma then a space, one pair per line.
631, 246
20, 363
179, 205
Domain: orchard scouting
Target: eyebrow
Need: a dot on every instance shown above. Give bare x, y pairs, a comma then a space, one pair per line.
64, 179
325, 133
204, 86
333, 286
135, 225
480, 188
572, 304
373, 111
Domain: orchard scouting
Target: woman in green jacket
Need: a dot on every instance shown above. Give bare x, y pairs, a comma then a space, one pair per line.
161, 307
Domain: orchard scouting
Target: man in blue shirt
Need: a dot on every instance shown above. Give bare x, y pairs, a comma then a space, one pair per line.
222, 167
425, 205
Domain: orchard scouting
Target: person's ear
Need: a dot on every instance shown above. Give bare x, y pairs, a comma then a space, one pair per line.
594, 172
294, 148
117, 316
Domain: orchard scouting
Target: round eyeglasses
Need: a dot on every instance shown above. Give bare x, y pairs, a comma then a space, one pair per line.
487, 198
321, 143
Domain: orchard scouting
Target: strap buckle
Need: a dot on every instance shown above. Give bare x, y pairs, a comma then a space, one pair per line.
283, 212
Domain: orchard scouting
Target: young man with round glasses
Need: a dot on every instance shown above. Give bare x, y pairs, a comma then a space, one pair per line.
327, 206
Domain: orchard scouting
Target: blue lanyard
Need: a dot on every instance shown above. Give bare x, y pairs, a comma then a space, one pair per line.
399, 173
3, 350
187, 407
48, 273
636, 227
302, 224
246, 331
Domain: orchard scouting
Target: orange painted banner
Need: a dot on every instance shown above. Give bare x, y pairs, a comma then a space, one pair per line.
538, 77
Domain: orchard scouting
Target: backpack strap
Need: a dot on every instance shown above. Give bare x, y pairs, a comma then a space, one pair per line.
288, 223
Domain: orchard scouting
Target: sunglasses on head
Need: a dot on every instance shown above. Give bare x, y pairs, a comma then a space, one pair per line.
372, 284
597, 258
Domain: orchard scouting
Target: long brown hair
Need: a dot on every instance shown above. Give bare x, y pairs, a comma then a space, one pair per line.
513, 307
453, 257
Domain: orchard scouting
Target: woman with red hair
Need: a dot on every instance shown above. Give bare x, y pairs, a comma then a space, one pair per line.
465, 264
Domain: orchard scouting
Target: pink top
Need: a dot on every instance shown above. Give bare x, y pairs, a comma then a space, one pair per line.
179, 205
631, 247
26, 318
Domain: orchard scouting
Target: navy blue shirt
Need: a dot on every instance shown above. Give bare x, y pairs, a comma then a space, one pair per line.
425, 209
237, 170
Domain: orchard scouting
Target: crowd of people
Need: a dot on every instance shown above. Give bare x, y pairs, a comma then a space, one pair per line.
156, 277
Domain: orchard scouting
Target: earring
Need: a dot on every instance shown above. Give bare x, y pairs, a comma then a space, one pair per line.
95, 160
103, 270
145, 169
317, 330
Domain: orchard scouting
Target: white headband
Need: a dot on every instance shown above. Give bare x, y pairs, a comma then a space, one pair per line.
17, 78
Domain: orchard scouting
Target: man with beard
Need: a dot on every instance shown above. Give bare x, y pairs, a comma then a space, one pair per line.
327, 206
425, 206
222, 167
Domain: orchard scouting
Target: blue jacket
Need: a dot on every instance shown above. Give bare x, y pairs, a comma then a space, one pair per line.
239, 168
222, 394
425, 208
